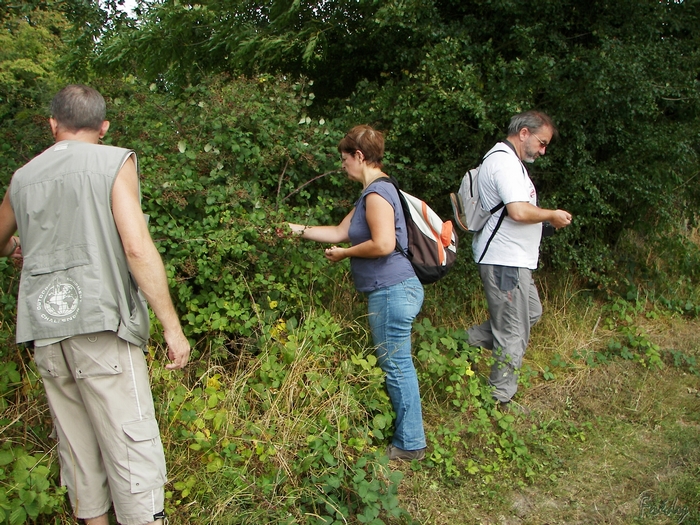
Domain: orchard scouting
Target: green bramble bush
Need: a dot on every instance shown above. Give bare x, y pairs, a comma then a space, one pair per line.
291, 434
27, 485
282, 416
221, 166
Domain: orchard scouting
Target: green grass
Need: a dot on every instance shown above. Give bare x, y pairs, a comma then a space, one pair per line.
621, 448
294, 431
616, 443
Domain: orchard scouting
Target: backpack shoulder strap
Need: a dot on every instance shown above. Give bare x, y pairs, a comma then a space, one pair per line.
494, 210
499, 205
493, 233
404, 209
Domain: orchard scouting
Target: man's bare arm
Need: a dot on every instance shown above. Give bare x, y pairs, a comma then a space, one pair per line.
9, 244
527, 213
145, 263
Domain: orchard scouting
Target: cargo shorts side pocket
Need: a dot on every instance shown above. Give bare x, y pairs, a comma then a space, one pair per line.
146, 457
96, 355
47, 362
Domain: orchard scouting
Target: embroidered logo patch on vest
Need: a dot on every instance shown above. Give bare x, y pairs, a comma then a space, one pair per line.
60, 301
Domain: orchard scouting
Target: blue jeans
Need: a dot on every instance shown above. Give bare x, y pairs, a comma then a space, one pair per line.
391, 314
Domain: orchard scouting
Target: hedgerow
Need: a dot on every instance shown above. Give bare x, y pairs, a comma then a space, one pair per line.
282, 416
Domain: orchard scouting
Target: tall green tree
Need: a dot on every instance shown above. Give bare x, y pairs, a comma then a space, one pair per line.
30, 44
621, 80
181, 42
443, 77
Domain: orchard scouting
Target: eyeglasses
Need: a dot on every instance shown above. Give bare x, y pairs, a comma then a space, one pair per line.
542, 142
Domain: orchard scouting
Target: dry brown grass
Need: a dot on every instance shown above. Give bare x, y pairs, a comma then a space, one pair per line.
622, 465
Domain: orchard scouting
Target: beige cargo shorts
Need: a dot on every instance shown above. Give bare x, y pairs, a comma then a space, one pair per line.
108, 440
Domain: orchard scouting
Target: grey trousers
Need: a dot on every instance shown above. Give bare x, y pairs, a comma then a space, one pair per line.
514, 307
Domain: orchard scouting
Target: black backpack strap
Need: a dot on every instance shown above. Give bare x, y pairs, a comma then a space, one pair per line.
404, 208
494, 209
498, 206
493, 233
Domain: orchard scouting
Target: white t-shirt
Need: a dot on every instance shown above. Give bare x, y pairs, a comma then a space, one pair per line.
503, 178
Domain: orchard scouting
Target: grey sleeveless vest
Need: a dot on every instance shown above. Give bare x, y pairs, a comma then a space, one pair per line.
75, 277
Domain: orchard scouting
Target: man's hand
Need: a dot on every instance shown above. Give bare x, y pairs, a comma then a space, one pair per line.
560, 219
530, 214
178, 349
14, 247
9, 244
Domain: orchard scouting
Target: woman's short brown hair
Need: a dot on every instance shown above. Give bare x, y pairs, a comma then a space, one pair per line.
366, 139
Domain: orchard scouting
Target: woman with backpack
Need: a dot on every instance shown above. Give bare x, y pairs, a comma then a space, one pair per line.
394, 293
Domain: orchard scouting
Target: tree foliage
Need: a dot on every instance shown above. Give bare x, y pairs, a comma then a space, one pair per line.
443, 78
28, 47
228, 152
30, 44
182, 42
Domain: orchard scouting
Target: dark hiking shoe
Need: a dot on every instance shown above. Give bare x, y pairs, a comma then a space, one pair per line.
405, 455
513, 408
